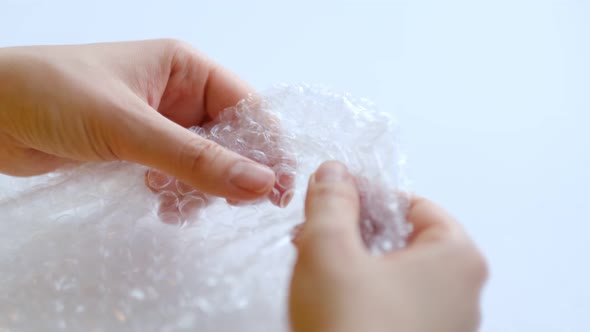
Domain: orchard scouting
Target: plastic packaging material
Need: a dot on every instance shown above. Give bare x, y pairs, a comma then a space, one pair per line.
287, 130
248, 130
87, 250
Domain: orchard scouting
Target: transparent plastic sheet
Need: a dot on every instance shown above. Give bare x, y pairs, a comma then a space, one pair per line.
86, 249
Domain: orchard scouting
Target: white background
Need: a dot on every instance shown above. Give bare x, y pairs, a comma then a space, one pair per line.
492, 97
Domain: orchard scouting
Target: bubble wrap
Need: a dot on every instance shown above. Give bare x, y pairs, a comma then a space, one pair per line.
95, 249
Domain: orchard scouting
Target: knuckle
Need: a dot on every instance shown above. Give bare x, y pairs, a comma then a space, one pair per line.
479, 267
339, 193
474, 263
174, 43
183, 50
179, 51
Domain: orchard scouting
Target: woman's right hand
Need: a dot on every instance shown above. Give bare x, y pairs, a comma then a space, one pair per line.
432, 285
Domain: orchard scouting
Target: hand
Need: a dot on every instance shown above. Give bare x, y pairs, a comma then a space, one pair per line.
432, 285
122, 101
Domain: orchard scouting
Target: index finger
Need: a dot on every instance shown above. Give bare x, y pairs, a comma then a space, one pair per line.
431, 223
222, 89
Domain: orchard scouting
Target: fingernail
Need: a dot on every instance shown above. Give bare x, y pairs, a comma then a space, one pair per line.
331, 171
252, 177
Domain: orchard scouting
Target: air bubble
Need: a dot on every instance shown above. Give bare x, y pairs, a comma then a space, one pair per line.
192, 206
258, 156
184, 188
172, 218
200, 131
286, 198
275, 196
158, 180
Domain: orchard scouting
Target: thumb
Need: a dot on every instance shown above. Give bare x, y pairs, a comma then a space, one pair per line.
157, 142
331, 209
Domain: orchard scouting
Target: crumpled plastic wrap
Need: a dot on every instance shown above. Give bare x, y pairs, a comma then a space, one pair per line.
94, 249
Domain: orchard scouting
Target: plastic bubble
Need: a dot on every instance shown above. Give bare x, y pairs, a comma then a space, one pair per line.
184, 188
168, 201
93, 249
191, 206
158, 180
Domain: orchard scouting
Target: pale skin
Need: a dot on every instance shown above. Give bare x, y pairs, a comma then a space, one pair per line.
432, 285
65, 105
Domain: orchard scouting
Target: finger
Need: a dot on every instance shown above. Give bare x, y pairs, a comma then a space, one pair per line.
198, 83
431, 223
435, 228
331, 209
198, 86
157, 142
260, 139
223, 89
